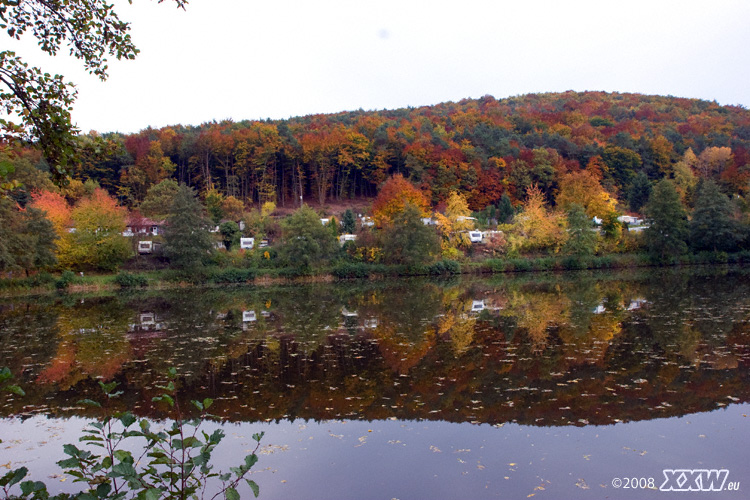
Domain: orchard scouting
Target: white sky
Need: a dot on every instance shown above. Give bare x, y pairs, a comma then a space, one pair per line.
246, 59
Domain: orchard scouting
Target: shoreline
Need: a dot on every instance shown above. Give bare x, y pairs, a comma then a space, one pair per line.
166, 279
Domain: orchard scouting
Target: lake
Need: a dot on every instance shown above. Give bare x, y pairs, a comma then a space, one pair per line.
583, 385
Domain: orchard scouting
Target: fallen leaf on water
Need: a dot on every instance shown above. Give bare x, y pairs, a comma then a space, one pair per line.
512, 464
435, 449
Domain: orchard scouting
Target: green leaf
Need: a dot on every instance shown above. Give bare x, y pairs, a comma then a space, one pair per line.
68, 463
15, 390
29, 487
172, 372
103, 490
207, 403
258, 436
251, 460
13, 477
152, 494
124, 456
231, 494
164, 397
89, 402
254, 487
127, 419
107, 388
197, 404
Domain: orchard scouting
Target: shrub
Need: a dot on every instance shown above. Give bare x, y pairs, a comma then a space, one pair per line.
128, 280
233, 275
347, 270
66, 278
444, 267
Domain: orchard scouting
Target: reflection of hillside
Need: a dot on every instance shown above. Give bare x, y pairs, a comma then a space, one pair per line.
562, 353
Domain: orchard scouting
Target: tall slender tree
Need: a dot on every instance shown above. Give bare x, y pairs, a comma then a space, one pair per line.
712, 226
188, 240
667, 219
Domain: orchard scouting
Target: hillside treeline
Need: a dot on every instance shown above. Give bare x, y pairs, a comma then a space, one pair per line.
481, 148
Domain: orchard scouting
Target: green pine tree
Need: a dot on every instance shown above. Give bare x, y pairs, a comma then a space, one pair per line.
667, 219
712, 226
188, 240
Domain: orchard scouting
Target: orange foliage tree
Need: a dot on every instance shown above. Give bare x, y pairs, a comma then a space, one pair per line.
583, 188
395, 194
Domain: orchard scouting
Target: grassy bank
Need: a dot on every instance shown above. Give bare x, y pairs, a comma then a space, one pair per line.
222, 276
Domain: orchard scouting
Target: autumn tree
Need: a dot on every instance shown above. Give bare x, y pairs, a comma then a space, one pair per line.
55, 207
455, 225
583, 188
97, 242
148, 171
536, 228
712, 161
683, 175
232, 208
395, 194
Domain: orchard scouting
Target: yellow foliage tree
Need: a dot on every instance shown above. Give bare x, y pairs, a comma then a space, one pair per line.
583, 188
536, 228
455, 225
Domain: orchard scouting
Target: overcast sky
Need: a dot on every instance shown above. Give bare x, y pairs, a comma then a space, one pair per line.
246, 59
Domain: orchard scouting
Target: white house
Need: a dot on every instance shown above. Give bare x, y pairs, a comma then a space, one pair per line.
145, 247
475, 236
247, 243
630, 220
347, 237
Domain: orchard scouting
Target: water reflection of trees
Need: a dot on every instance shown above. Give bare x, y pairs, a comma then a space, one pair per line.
562, 351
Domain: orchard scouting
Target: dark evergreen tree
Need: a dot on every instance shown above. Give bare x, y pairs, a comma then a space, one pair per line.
188, 239
348, 222
505, 210
639, 192
667, 219
712, 226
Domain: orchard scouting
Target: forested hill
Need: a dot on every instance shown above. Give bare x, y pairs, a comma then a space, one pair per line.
481, 147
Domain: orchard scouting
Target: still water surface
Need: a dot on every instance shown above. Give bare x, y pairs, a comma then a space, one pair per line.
543, 386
